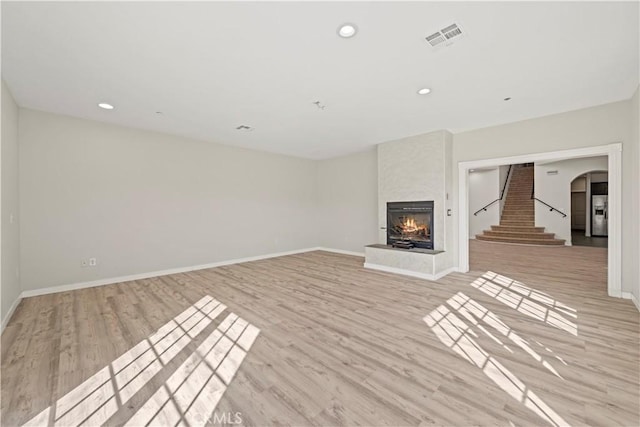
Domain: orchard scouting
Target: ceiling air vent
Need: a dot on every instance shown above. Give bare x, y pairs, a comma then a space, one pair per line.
435, 39
444, 35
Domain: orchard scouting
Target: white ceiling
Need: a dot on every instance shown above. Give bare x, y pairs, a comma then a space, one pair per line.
210, 67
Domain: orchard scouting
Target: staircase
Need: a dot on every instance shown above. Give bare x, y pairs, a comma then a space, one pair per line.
517, 223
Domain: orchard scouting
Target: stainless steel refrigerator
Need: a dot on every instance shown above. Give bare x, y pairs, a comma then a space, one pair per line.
599, 215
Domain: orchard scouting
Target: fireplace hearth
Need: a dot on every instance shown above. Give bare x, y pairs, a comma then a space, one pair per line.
410, 224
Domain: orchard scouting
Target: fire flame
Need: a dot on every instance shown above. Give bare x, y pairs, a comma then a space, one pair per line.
409, 226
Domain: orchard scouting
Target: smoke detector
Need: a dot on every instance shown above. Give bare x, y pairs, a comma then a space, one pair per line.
445, 36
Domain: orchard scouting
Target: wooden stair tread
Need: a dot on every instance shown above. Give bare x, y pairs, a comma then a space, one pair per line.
519, 234
530, 229
523, 223
527, 241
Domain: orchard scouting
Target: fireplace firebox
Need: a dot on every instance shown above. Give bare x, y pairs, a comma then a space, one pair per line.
410, 224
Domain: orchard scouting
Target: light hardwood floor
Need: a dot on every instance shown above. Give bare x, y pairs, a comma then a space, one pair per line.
528, 337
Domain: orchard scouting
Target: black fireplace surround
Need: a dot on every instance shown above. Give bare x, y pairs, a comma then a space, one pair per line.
410, 223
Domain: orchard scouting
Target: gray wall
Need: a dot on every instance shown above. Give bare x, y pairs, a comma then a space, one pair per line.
594, 126
140, 201
348, 201
10, 209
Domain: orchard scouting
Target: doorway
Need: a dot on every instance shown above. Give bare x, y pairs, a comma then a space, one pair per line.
614, 159
589, 209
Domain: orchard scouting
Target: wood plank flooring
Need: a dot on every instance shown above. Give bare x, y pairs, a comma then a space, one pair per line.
528, 337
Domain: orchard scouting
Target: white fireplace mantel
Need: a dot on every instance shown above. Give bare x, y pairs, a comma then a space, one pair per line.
416, 168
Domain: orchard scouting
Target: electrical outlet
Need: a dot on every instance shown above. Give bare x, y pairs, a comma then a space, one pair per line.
93, 262
84, 263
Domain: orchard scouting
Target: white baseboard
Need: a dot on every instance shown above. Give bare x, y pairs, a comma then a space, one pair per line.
629, 295
394, 270
445, 272
403, 272
112, 280
340, 251
7, 316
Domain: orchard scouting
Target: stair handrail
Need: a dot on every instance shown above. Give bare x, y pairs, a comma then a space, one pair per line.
506, 181
551, 208
504, 187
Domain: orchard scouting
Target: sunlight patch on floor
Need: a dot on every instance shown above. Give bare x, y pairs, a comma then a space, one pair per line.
449, 324
473, 312
528, 301
193, 391
99, 397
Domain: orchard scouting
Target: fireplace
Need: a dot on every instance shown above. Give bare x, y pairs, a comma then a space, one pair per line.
410, 224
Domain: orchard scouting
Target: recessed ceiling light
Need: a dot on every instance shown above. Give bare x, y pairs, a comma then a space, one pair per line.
106, 106
347, 30
424, 91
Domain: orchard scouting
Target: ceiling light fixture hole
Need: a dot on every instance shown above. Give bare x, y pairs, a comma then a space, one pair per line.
424, 91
